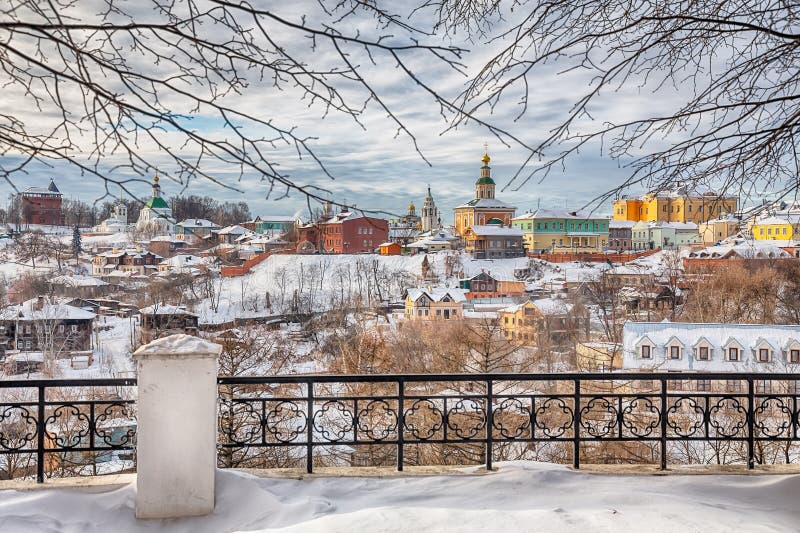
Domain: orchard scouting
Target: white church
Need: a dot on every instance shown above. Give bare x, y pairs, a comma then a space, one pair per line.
156, 215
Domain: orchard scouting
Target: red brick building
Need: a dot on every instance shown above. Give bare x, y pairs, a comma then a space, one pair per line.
349, 233
42, 206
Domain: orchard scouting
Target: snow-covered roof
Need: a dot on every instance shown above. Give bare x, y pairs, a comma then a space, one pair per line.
27, 310
621, 224
719, 336
486, 203
496, 231
685, 226
436, 294
77, 280
164, 309
268, 240
233, 230
183, 260
777, 220
274, 218
558, 214
197, 223
552, 306
41, 190
745, 250
439, 238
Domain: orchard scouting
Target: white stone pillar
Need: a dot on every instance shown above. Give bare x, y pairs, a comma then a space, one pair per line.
176, 427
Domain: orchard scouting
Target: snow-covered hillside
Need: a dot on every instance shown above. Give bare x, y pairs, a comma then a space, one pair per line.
520, 497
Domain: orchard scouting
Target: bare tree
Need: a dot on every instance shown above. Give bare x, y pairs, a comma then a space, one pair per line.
725, 74
126, 77
30, 246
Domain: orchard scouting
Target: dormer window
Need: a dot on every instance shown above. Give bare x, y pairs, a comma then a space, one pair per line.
674, 352
733, 354
763, 355
703, 349
794, 355
646, 351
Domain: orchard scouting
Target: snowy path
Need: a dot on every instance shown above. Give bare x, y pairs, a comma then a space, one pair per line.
521, 496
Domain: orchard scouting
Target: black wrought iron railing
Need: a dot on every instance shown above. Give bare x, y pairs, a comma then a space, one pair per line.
656, 415
63, 427
52, 428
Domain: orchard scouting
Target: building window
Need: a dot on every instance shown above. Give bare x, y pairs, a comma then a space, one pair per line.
703, 353
733, 354
763, 386
763, 355
674, 352
794, 356
704, 385
645, 351
733, 385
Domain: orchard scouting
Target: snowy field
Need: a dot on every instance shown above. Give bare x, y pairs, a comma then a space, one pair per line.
521, 496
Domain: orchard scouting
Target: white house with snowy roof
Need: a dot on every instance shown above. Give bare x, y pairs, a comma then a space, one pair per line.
697, 347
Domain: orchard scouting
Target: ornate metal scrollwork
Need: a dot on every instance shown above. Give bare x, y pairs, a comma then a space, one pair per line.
599, 417
466, 418
512, 419
553, 417
240, 421
685, 416
377, 420
640, 417
728, 417
333, 421
773, 417
17, 427
285, 421
74, 426
105, 436
423, 420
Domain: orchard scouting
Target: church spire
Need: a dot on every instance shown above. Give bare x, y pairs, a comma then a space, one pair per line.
484, 187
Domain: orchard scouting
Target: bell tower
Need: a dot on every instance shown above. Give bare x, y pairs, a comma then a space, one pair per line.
484, 187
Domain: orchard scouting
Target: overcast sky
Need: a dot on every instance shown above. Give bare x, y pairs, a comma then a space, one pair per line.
377, 169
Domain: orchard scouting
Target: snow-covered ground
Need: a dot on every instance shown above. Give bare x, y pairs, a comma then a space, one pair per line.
521, 496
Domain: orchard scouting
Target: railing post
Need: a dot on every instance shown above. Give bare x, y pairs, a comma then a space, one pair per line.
310, 427
664, 414
489, 423
40, 433
177, 423
751, 398
401, 393
576, 428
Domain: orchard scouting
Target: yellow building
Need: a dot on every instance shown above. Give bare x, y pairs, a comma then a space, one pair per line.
677, 205
627, 209
484, 208
776, 228
434, 304
719, 229
549, 321
598, 356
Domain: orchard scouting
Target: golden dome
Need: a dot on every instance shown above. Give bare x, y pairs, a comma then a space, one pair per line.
155, 179
411, 207
486, 158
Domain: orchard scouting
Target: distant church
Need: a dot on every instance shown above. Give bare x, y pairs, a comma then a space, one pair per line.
484, 208
156, 215
117, 222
